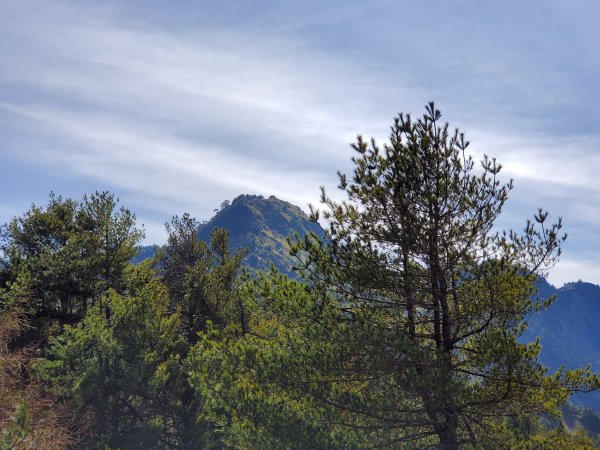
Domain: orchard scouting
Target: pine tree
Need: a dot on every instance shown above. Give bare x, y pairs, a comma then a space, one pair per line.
73, 252
405, 331
127, 361
202, 277
413, 259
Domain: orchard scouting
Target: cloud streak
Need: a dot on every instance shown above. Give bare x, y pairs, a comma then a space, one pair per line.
182, 119
178, 114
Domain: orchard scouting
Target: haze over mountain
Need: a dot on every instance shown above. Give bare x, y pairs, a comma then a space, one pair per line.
569, 331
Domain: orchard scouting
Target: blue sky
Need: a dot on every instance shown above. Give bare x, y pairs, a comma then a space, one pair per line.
177, 106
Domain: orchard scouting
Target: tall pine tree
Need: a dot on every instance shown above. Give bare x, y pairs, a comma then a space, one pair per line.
413, 258
406, 330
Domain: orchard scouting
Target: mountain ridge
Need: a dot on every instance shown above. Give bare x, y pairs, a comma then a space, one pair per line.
568, 331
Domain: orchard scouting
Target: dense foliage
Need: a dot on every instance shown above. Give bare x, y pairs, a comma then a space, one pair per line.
71, 253
402, 332
127, 361
405, 331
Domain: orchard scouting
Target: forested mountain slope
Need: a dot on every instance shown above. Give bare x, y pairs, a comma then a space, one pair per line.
262, 225
569, 331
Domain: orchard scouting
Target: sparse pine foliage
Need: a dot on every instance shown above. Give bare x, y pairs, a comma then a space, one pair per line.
405, 332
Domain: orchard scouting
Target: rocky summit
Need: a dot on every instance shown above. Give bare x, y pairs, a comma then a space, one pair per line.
262, 226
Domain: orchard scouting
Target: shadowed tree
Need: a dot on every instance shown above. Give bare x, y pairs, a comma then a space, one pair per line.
73, 252
127, 361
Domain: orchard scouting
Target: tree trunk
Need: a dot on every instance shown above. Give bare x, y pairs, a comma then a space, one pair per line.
447, 434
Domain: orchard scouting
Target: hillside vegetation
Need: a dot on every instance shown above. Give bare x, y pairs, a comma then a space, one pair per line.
403, 325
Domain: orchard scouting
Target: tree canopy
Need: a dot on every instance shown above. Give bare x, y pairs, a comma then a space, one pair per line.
72, 252
403, 330
406, 327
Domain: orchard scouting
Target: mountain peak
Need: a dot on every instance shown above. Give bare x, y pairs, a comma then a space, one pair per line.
262, 225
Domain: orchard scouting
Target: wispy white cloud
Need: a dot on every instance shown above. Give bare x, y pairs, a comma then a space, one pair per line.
185, 120
568, 270
565, 162
164, 168
221, 79
179, 119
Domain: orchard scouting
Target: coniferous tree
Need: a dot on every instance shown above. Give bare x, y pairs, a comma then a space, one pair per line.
203, 282
407, 328
116, 366
202, 277
414, 258
128, 361
72, 251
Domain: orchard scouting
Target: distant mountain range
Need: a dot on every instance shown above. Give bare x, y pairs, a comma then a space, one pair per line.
569, 329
